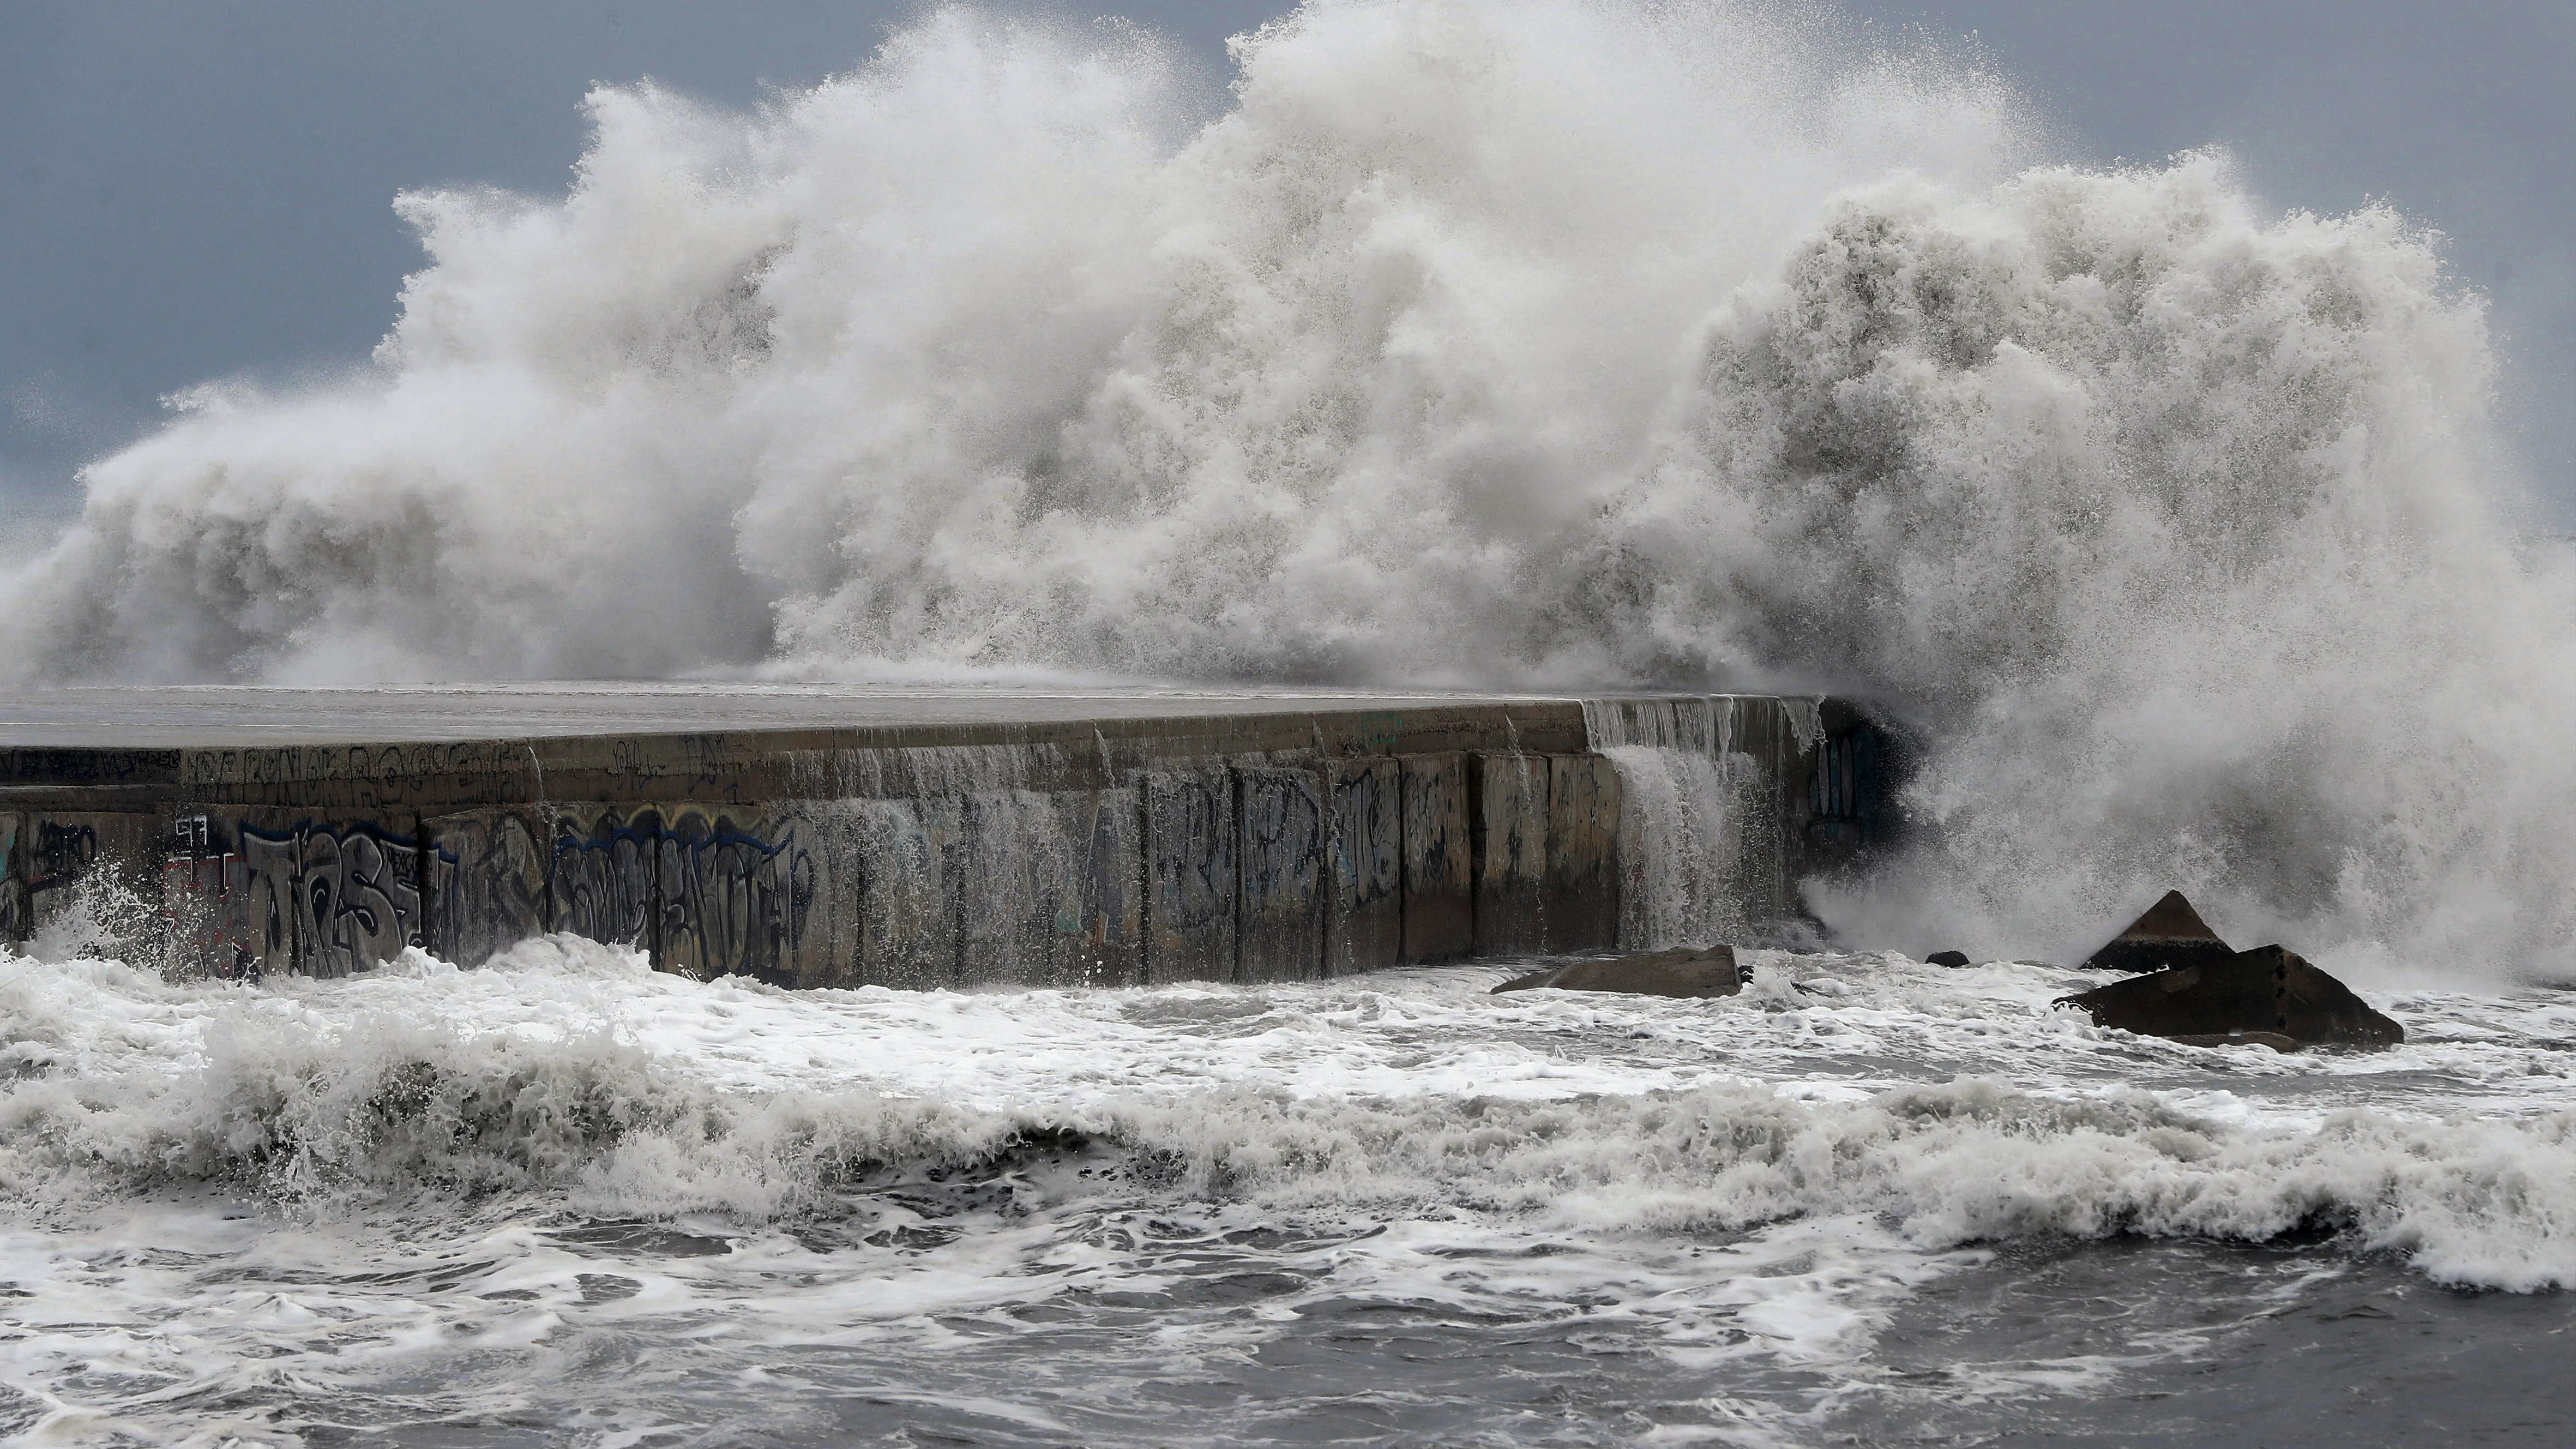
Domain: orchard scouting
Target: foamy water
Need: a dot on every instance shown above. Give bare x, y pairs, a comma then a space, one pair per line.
565, 1199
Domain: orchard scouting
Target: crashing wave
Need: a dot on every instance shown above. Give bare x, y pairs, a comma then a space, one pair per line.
520, 1079
1543, 342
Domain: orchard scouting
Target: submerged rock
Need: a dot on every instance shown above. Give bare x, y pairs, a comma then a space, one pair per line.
2170, 934
2266, 992
1953, 959
1698, 973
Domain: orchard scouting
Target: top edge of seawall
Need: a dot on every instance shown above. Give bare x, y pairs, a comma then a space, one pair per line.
140, 749
195, 717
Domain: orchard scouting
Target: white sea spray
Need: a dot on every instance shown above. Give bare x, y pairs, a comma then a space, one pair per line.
1547, 342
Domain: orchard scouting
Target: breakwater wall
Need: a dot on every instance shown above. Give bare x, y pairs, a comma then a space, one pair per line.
923, 839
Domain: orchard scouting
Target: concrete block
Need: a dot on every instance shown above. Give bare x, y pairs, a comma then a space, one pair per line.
745, 891
1109, 826
1280, 909
1691, 973
252, 891
60, 852
1439, 861
357, 891
1509, 829
1190, 878
1022, 890
14, 924
226, 912
909, 854
602, 883
98, 873
1581, 900
2268, 992
1052, 889
495, 864
1364, 899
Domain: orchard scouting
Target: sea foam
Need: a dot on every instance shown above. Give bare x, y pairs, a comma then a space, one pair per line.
568, 1072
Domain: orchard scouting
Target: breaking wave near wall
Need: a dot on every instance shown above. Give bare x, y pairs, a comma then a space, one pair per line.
1528, 344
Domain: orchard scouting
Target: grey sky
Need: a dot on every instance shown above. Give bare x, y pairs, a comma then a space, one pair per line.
193, 189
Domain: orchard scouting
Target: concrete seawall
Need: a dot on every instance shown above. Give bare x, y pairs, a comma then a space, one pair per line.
815, 836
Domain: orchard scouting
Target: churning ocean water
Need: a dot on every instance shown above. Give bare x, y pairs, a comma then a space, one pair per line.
565, 1200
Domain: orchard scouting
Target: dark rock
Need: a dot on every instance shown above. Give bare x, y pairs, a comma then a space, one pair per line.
2268, 990
1946, 958
2170, 934
1688, 973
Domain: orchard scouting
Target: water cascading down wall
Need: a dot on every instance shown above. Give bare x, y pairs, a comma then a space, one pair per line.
1237, 840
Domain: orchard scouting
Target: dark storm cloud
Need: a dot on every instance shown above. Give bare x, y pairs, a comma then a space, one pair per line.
194, 190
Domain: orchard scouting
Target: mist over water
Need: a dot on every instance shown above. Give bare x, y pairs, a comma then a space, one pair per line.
1522, 344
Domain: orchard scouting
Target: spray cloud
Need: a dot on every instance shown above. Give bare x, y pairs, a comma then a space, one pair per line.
1529, 343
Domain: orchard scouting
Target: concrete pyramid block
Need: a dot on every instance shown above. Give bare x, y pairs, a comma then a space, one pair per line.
2266, 992
2170, 934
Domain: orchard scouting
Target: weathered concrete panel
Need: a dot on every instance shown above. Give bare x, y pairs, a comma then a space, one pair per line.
1189, 874
1439, 862
14, 925
1023, 892
1509, 828
253, 891
1364, 900
220, 916
909, 855
742, 891
495, 862
1053, 887
1109, 825
1281, 905
601, 883
61, 850
1581, 902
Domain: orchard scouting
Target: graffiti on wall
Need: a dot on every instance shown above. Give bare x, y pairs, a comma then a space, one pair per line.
1508, 833
316, 898
1281, 932
706, 894
907, 922
497, 861
1022, 900
1112, 918
1048, 891
1439, 919
733, 903
87, 873
1189, 875
602, 885
59, 853
1848, 791
1364, 923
